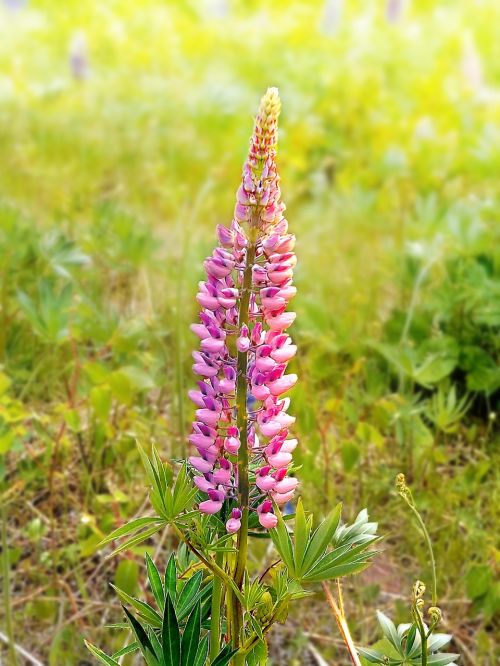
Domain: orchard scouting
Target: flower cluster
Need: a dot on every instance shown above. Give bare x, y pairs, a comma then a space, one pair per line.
244, 347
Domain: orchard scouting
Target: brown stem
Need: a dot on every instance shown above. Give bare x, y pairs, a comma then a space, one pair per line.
342, 625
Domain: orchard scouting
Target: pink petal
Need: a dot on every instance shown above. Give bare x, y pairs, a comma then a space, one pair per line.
209, 506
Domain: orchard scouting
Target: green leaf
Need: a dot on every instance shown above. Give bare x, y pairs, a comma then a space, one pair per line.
127, 649
258, 655
155, 582
155, 642
191, 637
224, 656
142, 638
301, 537
171, 578
345, 555
438, 641
133, 526
442, 659
389, 630
135, 541
149, 614
434, 368
99, 654
202, 653
282, 542
373, 656
322, 536
188, 593
171, 637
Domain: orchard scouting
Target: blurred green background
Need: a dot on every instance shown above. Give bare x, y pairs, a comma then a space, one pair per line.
123, 128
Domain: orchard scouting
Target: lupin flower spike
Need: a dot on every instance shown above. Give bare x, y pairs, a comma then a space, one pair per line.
242, 421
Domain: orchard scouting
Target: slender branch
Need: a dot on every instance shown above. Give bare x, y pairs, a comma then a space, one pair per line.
406, 494
210, 564
342, 625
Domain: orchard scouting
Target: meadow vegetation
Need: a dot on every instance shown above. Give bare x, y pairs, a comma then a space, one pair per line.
113, 175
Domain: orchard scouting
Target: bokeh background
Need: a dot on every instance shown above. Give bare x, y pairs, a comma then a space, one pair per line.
123, 128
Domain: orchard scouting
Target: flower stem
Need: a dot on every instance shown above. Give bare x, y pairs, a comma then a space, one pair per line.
242, 423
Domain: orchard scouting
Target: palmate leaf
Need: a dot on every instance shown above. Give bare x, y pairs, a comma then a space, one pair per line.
322, 537
310, 559
169, 499
405, 641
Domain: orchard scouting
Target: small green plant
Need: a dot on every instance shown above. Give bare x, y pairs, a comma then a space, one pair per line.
415, 643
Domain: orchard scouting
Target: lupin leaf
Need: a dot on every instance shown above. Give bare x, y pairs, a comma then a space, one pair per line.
189, 592
224, 656
170, 634
126, 650
321, 537
202, 653
99, 654
191, 637
155, 582
390, 631
301, 536
144, 609
133, 526
143, 640
283, 543
171, 578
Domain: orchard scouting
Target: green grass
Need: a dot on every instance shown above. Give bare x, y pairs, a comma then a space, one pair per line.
110, 189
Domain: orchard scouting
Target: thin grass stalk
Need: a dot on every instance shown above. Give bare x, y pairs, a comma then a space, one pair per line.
9, 627
342, 625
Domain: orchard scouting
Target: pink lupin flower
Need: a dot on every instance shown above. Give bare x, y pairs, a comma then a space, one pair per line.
234, 523
227, 332
266, 516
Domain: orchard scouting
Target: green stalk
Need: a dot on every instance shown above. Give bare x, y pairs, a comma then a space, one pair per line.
405, 492
215, 612
9, 630
423, 636
242, 424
